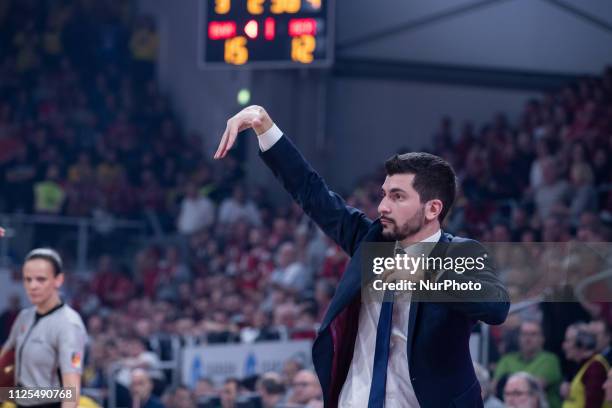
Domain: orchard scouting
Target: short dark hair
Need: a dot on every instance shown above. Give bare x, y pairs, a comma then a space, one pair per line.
434, 177
48, 255
272, 386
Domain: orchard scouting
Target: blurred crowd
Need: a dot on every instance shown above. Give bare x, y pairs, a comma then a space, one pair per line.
531, 376
85, 131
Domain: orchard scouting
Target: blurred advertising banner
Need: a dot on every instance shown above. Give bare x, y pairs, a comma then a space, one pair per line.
218, 362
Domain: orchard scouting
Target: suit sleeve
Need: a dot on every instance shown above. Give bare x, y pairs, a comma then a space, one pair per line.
344, 224
491, 303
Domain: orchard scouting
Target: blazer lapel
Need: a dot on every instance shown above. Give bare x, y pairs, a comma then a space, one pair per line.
414, 305
350, 283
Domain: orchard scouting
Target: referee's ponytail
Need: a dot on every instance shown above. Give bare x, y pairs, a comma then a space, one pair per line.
49, 255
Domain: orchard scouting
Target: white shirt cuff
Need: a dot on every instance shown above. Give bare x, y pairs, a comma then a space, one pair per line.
269, 138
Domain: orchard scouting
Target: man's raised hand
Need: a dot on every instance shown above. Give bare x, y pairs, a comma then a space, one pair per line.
2, 232
252, 117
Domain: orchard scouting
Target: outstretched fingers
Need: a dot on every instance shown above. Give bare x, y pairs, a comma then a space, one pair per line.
232, 133
246, 119
222, 144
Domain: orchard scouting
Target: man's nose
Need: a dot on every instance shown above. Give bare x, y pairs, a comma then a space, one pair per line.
383, 208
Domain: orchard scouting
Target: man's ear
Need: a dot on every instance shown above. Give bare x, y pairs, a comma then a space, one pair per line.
433, 208
59, 281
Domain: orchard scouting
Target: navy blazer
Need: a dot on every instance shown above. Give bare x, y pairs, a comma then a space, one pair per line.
440, 364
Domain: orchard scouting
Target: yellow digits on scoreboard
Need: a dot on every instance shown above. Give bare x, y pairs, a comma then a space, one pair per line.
236, 51
292, 6
278, 6
222, 6
302, 48
255, 6
285, 6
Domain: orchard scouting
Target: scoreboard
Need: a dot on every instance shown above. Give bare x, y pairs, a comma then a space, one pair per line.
266, 33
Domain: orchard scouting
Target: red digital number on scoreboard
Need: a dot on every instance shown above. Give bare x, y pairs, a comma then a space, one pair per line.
302, 26
221, 30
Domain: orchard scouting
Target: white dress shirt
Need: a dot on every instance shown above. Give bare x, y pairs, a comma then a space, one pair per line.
399, 390
356, 389
269, 138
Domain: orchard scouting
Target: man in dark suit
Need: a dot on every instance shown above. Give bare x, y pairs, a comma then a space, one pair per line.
392, 353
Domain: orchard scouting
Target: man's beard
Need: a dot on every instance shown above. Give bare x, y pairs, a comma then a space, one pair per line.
409, 228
